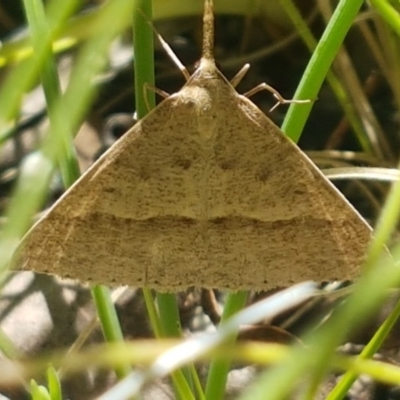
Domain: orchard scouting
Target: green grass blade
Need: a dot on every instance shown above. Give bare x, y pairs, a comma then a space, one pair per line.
109, 320
390, 14
40, 32
319, 65
68, 110
143, 44
39, 392
278, 382
171, 324
388, 220
54, 384
338, 89
345, 383
218, 373
67, 160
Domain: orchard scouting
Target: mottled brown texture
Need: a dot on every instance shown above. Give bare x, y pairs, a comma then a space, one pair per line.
204, 191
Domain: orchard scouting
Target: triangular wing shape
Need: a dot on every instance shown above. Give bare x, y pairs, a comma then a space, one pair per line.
205, 191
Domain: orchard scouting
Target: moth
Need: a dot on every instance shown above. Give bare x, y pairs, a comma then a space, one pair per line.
204, 191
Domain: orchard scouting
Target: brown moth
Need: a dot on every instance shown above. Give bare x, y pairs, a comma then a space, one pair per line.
204, 191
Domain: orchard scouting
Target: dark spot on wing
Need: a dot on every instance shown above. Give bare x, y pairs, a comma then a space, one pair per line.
218, 221
262, 175
300, 191
184, 164
227, 164
144, 174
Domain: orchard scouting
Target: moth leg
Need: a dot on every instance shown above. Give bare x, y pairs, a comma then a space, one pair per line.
173, 56
170, 52
160, 92
210, 305
240, 75
276, 94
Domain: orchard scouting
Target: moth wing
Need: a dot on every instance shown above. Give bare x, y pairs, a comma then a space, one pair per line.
275, 219
135, 209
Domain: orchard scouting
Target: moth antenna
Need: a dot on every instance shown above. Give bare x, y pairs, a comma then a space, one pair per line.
167, 48
208, 31
173, 56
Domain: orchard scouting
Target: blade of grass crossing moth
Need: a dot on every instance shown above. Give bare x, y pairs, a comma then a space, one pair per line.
143, 44
19, 212
388, 220
218, 372
33, 181
67, 161
70, 172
